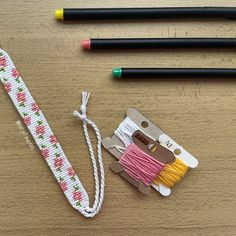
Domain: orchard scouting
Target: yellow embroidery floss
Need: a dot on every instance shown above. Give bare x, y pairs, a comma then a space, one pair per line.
172, 173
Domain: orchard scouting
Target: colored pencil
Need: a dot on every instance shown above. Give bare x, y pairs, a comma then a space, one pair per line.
144, 43
144, 13
172, 72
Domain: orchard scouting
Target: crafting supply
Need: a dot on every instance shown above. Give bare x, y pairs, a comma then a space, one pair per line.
114, 146
125, 131
48, 144
140, 165
144, 13
145, 43
137, 129
172, 72
154, 132
171, 173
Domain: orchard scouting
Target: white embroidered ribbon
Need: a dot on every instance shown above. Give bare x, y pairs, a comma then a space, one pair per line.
48, 144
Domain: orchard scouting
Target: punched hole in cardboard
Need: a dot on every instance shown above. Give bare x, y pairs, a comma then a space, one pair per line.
144, 124
177, 151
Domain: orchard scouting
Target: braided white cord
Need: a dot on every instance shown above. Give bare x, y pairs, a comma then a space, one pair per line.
99, 185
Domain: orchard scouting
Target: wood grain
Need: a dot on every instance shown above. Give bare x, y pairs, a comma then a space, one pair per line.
199, 113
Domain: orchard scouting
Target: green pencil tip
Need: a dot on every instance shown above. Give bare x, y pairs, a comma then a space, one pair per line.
117, 72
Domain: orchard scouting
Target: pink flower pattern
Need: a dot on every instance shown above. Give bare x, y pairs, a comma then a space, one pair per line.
3, 61
63, 186
27, 120
7, 87
58, 162
77, 196
40, 129
20, 96
53, 139
34, 120
45, 153
35, 107
14, 73
70, 172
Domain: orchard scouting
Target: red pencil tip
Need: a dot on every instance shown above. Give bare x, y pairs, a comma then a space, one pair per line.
86, 44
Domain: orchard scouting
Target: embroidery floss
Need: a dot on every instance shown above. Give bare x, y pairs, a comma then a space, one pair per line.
170, 174
48, 144
140, 165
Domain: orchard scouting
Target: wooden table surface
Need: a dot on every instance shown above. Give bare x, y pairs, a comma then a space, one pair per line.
198, 113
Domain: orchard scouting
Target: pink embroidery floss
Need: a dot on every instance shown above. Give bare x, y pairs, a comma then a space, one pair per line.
139, 165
